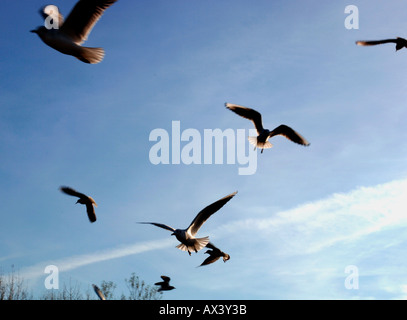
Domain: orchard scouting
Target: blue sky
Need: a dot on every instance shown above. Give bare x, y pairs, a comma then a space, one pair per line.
294, 226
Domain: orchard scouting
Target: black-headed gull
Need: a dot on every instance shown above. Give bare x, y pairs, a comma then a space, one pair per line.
67, 35
214, 254
165, 284
186, 236
83, 199
261, 141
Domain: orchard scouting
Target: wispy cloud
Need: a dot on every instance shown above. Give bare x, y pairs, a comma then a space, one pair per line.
73, 262
313, 226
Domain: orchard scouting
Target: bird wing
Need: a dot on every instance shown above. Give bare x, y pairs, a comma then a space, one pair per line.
72, 192
290, 134
93, 201
375, 42
52, 10
205, 213
247, 113
210, 259
83, 17
98, 292
164, 226
210, 245
90, 211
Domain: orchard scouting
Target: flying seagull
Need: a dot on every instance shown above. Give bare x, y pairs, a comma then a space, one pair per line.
186, 236
164, 285
68, 35
214, 254
98, 292
83, 199
400, 42
261, 141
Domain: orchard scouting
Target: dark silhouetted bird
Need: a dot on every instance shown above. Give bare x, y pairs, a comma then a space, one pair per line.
186, 236
83, 199
400, 42
261, 141
164, 285
68, 35
214, 255
98, 292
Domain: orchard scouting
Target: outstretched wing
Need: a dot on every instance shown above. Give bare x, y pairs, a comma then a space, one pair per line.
205, 213
90, 210
72, 192
83, 17
210, 245
211, 259
290, 134
375, 42
247, 113
164, 226
98, 292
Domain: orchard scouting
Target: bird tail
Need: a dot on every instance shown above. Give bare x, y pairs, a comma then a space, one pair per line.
197, 245
258, 144
91, 55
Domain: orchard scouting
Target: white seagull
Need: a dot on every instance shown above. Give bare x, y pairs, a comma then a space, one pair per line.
186, 236
67, 36
261, 141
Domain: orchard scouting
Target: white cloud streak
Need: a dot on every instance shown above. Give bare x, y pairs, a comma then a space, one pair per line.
74, 262
340, 217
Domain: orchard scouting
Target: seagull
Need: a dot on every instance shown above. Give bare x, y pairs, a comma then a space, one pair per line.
98, 292
214, 255
400, 42
187, 236
83, 199
68, 35
261, 141
165, 285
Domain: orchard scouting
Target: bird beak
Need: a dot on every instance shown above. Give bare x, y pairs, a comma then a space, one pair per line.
33, 31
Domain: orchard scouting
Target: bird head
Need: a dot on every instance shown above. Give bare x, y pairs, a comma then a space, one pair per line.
40, 30
226, 257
